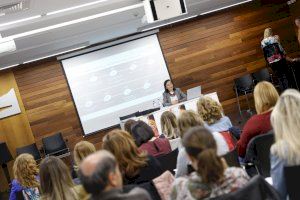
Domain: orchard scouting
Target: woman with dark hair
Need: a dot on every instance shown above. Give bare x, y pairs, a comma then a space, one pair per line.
171, 94
145, 140
212, 176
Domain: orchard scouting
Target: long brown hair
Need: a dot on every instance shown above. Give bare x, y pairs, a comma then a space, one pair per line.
200, 144
82, 150
122, 146
56, 181
25, 170
169, 125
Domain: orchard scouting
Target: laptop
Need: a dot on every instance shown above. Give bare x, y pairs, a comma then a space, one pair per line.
193, 93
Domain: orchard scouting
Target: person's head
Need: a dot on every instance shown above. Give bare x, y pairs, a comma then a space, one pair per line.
188, 119
265, 96
122, 146
141, 132
285, 119
201, 148
128, 124
81, 150
168, 86
209, 110
55, 179
268, 32
297, 22
99, 172
25, 170
169, 125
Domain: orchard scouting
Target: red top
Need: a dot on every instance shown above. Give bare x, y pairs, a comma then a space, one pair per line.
157, 147
256, 125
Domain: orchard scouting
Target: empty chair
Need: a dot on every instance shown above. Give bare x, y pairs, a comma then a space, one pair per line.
232, 158
258, 153
55, 145
243, 86
292, 177
168, 161
262, 75
30, 149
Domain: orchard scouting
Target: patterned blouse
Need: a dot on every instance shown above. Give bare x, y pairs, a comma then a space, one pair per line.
191, 187
272, 54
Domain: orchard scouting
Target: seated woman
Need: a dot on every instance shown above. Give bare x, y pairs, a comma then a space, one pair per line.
187, 120
144, 138
169, 128
26, 179
172, 95
212, 113
56, 181
137, 167
285, 120
128, 124
212, 177
265, 98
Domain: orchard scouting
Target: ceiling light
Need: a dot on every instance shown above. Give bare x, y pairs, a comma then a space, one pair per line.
75, 7
215, 10
20, 20
36, 59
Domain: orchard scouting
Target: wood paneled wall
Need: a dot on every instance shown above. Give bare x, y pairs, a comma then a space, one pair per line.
210, 51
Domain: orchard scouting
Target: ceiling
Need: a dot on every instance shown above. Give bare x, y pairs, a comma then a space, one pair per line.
97, 28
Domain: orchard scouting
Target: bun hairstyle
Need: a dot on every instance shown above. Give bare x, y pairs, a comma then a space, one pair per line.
200, 144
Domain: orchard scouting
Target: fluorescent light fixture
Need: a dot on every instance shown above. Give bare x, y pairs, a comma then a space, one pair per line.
10, 66
75, 7
21, 20
172, 22
76, 21
36, 59
232, 5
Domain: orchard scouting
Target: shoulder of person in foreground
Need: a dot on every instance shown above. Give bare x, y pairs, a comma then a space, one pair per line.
138, 194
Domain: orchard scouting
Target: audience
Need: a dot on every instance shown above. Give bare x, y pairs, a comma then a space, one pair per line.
144, 138
187, 120
136, 166
170, 129
285, 120
26, 179
212, 177
56, 181
265, 98
101, 177
128, 124
212, 113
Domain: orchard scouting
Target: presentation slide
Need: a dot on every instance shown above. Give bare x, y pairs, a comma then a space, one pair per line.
116, 81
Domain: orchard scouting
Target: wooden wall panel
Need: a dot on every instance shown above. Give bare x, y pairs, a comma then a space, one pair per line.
214, 50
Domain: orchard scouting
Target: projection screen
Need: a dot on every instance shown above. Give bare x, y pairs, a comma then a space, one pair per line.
116, 81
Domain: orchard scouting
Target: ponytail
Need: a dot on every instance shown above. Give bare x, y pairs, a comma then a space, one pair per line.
210, 166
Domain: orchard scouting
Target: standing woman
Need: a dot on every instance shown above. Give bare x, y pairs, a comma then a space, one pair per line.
276, 57
172, 95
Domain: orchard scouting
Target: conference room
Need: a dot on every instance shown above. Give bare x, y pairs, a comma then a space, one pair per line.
149, 99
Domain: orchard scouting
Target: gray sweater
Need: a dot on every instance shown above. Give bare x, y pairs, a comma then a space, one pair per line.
167, 97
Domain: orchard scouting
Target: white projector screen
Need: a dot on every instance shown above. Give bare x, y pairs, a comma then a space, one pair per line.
116, 81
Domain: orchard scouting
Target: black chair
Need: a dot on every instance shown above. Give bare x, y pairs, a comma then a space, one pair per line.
258, 153
30, 149
232, 158
292, 177
55, 145
243, 86
256, 189
5, 157
168, 161
262, 75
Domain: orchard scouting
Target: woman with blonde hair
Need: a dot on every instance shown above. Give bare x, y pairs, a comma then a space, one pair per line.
285, 120
187, 120
212, 113
26, 179
81, 151
212, 176
136, 167
56, 181
265, 98
170, 129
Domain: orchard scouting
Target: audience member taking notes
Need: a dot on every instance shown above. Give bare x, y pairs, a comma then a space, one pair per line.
172, 95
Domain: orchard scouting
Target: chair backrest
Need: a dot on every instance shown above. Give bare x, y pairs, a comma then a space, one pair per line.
232, 158
54, 143
19, 195
259, 147
292, 177
168, 161
244, 83
262, 75
30, 149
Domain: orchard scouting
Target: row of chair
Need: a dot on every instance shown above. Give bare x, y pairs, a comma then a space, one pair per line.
52, 145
